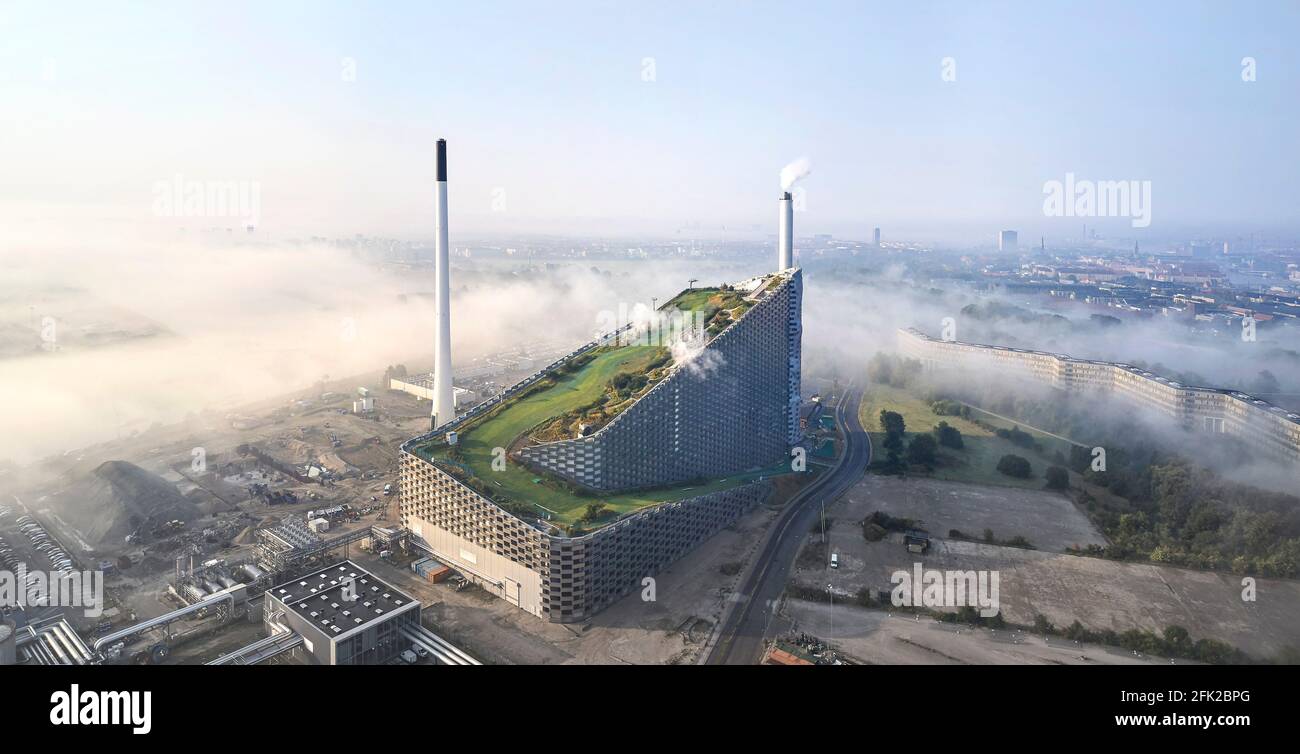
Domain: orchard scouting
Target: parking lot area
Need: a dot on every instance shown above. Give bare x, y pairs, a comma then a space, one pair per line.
25, 544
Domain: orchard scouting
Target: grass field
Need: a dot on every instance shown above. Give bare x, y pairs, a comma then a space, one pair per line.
695, 299
517, 483
976, 463
570, 392
1049, 442
707, 301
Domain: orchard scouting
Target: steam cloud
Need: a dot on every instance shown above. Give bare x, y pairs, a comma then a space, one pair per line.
794, 172
150, 333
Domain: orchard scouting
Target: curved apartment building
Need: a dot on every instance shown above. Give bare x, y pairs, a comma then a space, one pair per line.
709, 425
1261, 425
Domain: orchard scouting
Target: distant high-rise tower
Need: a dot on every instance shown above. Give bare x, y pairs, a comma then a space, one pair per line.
875, 237
1007, 240
444, 405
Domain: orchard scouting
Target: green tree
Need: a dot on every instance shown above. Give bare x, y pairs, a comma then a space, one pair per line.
1212, 651
1080, 458
948, 436
1015, 466
922, 450
594, 511
1058, 478
880, 369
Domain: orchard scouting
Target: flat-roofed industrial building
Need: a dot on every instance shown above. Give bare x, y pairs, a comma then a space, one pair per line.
345, 615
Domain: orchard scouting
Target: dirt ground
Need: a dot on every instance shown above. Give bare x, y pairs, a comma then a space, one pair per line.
1100, 594
1048, 520
879, 637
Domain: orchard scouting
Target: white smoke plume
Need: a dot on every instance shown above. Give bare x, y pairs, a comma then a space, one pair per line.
691, 355
794, 172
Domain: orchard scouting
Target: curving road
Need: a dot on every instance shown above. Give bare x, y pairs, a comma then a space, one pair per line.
740, 639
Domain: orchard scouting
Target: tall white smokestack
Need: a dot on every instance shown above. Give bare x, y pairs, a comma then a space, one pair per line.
785, 233
444, 406
790, 174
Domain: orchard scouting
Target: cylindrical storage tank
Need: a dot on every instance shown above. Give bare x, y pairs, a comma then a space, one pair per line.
8, 644
253, 571
226, 581
212, 586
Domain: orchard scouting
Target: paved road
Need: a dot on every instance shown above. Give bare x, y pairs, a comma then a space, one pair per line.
740, 640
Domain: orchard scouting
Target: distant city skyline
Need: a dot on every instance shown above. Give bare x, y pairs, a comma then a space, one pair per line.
942, 122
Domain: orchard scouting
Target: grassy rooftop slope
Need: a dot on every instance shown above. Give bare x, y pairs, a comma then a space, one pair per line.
570, 391
516, 484
708, 301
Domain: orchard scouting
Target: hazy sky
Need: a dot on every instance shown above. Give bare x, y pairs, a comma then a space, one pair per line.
550, 115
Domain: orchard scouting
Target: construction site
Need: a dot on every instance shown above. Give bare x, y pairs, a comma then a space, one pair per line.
206, 518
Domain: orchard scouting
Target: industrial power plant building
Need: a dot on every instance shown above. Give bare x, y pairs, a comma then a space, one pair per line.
1261, 425
344, 615
567, 491
743, 412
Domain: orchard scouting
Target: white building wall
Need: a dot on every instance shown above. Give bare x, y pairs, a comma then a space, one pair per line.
500, 576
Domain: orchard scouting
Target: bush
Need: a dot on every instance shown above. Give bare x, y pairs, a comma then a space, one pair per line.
949, 408
1212, 651
948, 436
1015, 466
1058, 478
594, 512
886, 522
1018, 436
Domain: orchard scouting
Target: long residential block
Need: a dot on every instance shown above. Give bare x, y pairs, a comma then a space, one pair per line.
1261, 425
